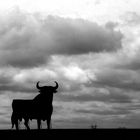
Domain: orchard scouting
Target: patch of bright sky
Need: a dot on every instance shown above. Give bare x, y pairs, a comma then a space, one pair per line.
95, 10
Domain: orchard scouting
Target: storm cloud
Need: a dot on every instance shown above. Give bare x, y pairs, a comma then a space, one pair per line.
27, 40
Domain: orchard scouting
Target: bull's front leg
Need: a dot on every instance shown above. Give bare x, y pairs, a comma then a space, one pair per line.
39, 123
16, 124
49, 122
26, 123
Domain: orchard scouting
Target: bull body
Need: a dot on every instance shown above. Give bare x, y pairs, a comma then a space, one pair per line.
39, 108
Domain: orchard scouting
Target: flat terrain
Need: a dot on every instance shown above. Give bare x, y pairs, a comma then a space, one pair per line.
71, 133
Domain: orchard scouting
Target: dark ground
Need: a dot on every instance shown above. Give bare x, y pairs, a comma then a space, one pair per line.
71, 134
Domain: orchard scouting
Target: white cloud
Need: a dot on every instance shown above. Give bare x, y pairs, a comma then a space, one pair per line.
73, 72
34, 74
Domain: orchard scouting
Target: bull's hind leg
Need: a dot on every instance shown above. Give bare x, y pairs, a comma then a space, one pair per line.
14, 121
26, 124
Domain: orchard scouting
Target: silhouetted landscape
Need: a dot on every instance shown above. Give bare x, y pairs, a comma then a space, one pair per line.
71, 133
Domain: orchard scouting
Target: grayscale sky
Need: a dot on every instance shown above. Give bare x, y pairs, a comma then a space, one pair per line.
91, 47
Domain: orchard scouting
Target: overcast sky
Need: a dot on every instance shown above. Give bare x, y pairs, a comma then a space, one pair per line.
91, 47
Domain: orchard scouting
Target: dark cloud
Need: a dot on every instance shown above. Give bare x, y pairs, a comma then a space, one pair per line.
17, 88
73, 123
132, 85
5, 79
130, 63
133, 107
130, 121
111, 97
28, 41
119, 78
104, 112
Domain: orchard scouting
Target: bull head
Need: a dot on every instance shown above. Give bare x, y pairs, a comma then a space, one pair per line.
47, 88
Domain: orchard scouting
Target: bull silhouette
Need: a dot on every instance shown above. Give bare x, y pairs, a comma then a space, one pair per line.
39, 108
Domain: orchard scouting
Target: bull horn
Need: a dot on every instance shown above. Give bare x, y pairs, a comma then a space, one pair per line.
37, 85
56, 85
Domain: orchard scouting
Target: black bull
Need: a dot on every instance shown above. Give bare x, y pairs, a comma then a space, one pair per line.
39, 108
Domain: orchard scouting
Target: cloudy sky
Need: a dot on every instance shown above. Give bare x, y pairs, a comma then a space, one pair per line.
91, 47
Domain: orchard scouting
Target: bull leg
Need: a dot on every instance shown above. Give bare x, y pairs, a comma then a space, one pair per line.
39, 123
16, 124
49, 122
26, 124
14, 121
